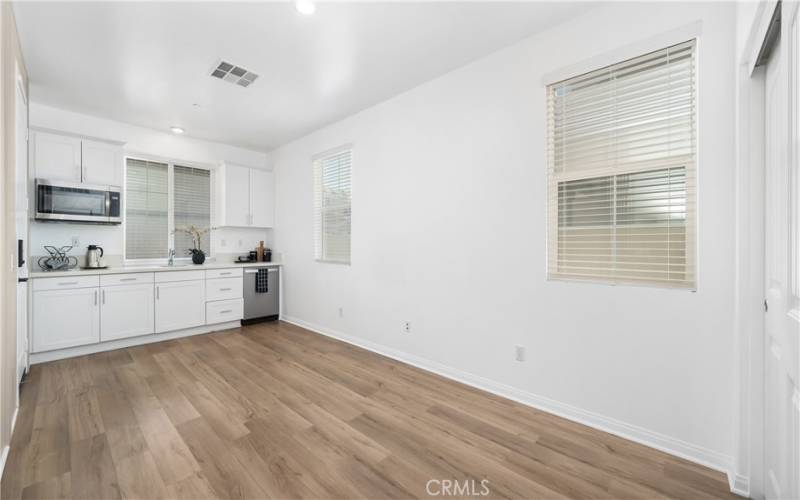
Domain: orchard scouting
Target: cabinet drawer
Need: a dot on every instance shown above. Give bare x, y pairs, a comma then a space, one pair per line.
224, 289
169, 276
125, 279
224, 310
224, 273
65, 282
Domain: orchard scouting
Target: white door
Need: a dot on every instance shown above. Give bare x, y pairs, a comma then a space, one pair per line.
65, 318
57, 157
102, 163
22, 329
126, 311
782, 275
180, 304
237, 196
262, 204
21, 222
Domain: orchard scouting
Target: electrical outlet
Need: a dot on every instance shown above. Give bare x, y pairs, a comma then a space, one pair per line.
407, 327
240, 244
223, 243
519, 353
75, 242
341, 312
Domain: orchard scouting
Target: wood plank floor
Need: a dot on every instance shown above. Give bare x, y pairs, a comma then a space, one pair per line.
276, 411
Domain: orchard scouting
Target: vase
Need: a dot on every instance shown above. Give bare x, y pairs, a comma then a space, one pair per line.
198, 257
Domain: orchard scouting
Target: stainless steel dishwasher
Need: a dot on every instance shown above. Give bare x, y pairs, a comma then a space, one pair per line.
259, 305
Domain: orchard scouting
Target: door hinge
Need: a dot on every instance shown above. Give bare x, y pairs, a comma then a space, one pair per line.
766, 305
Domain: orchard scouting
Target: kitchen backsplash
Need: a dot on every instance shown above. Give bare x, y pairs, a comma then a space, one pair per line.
223, 240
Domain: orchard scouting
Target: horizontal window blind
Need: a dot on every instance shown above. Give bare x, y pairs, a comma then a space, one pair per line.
332, 195
192, 206
622, 172
146, 210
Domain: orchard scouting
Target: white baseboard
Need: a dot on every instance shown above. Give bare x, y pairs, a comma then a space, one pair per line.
739, 484
661, 442
3, 458
7, 448
71, 352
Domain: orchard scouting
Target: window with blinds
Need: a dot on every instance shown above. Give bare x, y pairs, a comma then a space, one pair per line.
332, 174
622, 172
146, 210
158, 198
191, 206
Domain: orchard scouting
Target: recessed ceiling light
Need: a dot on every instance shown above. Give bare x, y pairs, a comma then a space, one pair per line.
177, 130
305, 7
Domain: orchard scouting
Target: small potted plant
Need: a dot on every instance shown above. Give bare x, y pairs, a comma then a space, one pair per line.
198, 256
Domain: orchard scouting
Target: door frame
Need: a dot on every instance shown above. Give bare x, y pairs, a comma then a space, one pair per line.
747, 470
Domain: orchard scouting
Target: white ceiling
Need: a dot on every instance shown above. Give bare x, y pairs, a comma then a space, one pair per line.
148, 63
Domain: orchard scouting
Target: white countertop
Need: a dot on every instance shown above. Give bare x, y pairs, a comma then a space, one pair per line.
148, 269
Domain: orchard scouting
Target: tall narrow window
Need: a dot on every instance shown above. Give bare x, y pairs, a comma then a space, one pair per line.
332, 206
192, 205
622, 172
146, 210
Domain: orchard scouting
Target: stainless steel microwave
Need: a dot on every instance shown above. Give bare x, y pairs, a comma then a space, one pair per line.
77, 202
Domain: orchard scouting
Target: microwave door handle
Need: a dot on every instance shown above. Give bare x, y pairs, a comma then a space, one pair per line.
108, 204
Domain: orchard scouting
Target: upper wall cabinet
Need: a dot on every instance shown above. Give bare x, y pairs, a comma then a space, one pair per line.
102, 163
244, 196
76, 159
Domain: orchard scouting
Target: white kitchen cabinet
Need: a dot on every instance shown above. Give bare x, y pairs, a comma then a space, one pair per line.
102, 163
76, 159
65, 318
221, 311
262, 199
180, 304
244, 196
126, 311
56, 157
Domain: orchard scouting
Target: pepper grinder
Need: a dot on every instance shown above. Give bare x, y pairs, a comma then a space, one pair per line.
260, 252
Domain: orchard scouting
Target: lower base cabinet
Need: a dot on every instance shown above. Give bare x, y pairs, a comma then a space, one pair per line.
221, 311
126, 311
65, 318
180, 304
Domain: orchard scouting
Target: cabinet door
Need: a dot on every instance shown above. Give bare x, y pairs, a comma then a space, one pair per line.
57, 157
180, 304
126, 311
65, 318
237, 196
102, 163
262, 198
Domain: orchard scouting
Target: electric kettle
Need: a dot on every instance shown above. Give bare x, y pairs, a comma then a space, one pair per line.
94, 256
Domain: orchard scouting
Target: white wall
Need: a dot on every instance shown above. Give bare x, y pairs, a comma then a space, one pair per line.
449, 225
141, 141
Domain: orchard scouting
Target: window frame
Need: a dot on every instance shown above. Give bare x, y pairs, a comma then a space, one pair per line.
314, 159
691, 244
171, 163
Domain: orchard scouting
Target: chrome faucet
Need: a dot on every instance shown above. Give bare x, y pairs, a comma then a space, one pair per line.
171, 258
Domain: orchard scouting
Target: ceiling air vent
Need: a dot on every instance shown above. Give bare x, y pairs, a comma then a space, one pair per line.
234, 74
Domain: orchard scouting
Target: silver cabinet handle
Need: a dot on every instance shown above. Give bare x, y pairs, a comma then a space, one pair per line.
67, 283
251, 272
158, 294
104, 296
95, 297
128, 279
226, 311
224, 289
224, 274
